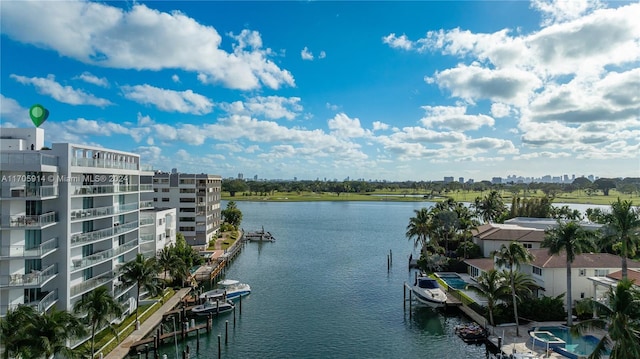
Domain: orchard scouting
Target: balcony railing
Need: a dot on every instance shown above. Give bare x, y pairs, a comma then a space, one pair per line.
104, 189
24, 221
103, 211
147, 238
84, 238
146, 204
103, 163
146, 221
102, 256
21, 191
146, 188
29, 158
40, 305
91, 283
19, 251
35, 278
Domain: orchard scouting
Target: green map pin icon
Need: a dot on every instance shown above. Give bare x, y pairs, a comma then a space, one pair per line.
38, 114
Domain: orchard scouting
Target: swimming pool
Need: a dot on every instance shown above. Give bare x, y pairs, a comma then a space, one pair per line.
453, 280
574, 346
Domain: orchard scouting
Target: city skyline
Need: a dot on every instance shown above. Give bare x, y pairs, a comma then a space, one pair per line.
381, 91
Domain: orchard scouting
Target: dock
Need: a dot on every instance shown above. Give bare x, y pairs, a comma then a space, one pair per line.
260, 236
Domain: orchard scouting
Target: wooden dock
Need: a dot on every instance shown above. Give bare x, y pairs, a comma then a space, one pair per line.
169, 335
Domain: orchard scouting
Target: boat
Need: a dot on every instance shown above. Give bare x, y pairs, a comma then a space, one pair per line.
428, 292
471, 333
230, 288
260, 235
213, 305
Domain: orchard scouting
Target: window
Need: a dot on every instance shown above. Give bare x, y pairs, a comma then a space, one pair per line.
581, 295
601, 272
187, 200
165, 190
187, 229
537, 270
187, 209
527, 245
165, 199
187, 190
160, 221
582, 272
155, 199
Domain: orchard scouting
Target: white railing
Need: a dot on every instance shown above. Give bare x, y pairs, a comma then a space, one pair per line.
28, 158
22, 220
34, 278
102, 256
103, 211
17, 251
85, 238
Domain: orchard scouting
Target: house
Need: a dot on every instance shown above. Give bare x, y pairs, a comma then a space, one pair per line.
490, 237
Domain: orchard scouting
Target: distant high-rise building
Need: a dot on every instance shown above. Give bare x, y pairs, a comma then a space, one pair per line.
197, 200
240, 176
496, 180
255, 177
461, 179
448, 179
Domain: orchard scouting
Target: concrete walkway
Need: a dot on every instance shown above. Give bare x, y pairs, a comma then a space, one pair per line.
148, 326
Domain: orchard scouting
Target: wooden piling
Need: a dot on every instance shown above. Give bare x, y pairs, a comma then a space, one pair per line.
226, 332
391, 256
198, 341
219, 347
209, 322
234, 316
146, 351
240, 304
404, 296
388, 263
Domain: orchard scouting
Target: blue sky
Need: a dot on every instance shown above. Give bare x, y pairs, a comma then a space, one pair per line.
365, 90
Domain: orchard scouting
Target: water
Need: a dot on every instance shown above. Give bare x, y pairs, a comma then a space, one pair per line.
579, 345
322, 290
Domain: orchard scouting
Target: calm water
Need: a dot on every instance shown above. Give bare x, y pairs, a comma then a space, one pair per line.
322, 290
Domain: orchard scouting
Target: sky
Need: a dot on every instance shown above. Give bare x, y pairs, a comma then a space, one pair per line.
309, 90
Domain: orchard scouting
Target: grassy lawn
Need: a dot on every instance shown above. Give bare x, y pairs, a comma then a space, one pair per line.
227, 239
125, 328
410, 196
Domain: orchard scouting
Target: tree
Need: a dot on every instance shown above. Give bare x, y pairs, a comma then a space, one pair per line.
13, 329
573, 240
143, 273
604, 184
99, 307
493, 285
169, 261
234, 186
621, 230
621, 320
419, 230
49, 333
490, 208
512, 256
232, 214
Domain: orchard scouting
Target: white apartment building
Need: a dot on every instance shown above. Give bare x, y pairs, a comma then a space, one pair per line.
69, 218
196, 198
157, 230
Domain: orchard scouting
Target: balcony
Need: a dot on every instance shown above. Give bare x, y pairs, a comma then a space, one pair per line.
41, 305
146, 188
91, 283
86, 238
27, 158
147, 238
35, 278
103, 163
20, 191
146, 221
20, 251
20, 221
102, 256
146, 204
103, 189
102, 211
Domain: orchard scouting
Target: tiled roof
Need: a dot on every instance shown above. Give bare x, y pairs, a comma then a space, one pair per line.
484, 264
585, 260
632, 274
508, 232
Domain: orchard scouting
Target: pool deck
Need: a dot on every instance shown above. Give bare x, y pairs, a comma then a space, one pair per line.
512, 344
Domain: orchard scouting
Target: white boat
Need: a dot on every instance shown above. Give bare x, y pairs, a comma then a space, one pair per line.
428, 292
233, 289
213, 305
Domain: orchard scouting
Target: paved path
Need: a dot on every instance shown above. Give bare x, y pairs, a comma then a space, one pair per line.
147, 327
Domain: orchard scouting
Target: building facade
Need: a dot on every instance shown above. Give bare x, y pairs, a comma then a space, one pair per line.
157, 230
70, 217
196, 198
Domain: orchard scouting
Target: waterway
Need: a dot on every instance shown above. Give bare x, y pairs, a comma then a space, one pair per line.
322, 290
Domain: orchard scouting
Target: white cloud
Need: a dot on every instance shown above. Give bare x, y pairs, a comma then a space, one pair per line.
322, 55
344, 127
500, 110
306, 54
377, 126
169, 100
398, 42
137, 38
270, 107
454, 118
66, 94
92, 79
554, 11
175, 78
11, 110
183, 155
86, 127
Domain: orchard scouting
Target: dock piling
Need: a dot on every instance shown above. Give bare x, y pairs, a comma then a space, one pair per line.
198, 341
219, 347
226, 332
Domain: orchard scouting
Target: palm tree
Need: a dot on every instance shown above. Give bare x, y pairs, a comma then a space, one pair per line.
621, 227
490, 208
512, 256
418, 228
169, 261
493, 286
99, 306
621, 320
13, 329
142, 272
572, 239
49, 334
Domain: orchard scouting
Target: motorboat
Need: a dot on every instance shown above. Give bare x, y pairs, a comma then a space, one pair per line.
230, 288
213, 305
471, 333
428, 292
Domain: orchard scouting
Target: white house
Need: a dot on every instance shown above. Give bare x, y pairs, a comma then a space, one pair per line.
157, 230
